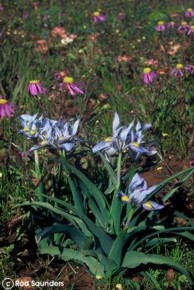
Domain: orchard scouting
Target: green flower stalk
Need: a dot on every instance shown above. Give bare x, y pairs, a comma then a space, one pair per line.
38, 173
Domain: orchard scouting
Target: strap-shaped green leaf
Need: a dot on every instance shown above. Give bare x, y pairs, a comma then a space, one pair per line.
93, 189
161, 232
116, 251
82, 257
134, 259
152, 279
93, 206
104, 239
76, 235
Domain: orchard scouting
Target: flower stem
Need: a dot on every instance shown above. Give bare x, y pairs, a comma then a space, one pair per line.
129, 219
40, 188
119, 167
116, 207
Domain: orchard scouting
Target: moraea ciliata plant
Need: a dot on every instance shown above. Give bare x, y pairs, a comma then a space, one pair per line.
108, 230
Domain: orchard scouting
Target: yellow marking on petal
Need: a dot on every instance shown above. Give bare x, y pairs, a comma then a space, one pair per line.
165, 134
160, 22
25, 130
135, 144
124, 198
159, 168
34, 82
179, 66
32, 132
189, 9
108, 139
43, 143
3, 101
148, 204
147, 70
98, 277
183, 23
68, 80
96, 13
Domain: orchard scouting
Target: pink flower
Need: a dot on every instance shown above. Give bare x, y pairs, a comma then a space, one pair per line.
177, 71
124, 58
1, 7
184, 27
151, 62
59, 76
171, 24
160, 26
190, 69
189, 12
98, 17
69, 86
6, 108
148, 75
192, 161
191, 30
35, 88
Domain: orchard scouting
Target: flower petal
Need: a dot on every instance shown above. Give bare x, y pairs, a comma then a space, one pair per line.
116, 122
152, 205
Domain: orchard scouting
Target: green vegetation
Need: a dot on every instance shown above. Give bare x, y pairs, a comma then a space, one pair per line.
76, 73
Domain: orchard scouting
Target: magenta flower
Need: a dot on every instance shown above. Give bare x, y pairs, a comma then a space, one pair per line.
184, 27
189, 13
148, 75
160, 26
59, 76
191, 30
177, 71
189, 68
98, 17
6, 108
192, 161
1, 7
35, 88
171, 25
69, 86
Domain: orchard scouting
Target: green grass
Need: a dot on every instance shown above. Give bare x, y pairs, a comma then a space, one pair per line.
168, 103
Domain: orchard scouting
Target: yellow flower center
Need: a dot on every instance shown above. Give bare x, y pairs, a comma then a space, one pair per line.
34, 82
189, 9
148, 204
192, 27
183, 23
160, 22
179, 66
135, 144
43, 143
3, 101
108, 139
124, 198
68, 80
32, 132
96, 13
147, 70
